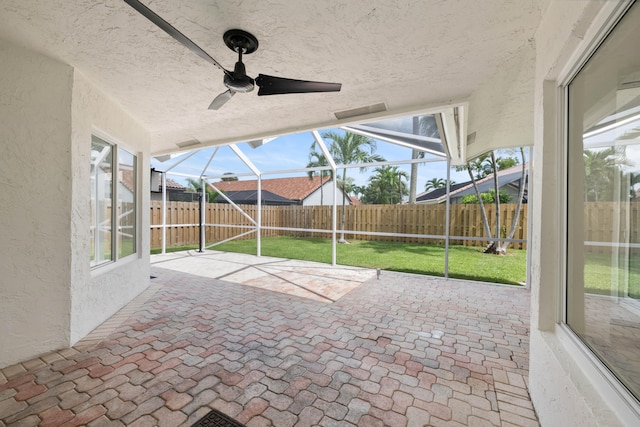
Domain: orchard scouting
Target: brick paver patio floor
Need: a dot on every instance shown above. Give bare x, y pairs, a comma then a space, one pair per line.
337, 347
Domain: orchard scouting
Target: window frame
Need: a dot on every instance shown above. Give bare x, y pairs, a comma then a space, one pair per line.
116, 146
618, 396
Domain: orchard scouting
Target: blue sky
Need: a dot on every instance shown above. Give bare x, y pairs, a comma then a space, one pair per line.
292, 152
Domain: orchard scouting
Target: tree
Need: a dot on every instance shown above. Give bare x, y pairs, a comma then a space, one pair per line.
317, 159
350, 148
514, 222
477, 166
600, 169
425, 126
196, 186
489, 164
413, 181
434, 183
386, 186
488, 197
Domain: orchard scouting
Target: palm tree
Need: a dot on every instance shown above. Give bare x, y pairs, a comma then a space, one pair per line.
386, 186
196, 186
350, 148
318, 160
514, 222
600, 168
413, 181
426, 126
483, 166
434, 183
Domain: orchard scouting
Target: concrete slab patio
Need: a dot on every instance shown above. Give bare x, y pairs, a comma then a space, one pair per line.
275, 342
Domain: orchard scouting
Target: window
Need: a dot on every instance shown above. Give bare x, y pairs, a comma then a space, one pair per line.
107, 246
126, 203
603, 203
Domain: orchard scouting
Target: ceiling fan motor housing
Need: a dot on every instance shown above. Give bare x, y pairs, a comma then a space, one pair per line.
238, 81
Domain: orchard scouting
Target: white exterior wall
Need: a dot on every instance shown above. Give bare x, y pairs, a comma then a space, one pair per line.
49, 297
501, 109
35, 213
326, 196
97, 294
566, 386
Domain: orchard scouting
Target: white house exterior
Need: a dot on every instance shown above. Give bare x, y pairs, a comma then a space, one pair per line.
323, 196
299, 190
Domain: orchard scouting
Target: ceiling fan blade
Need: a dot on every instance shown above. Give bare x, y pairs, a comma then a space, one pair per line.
173, 32
270, 85
221, 99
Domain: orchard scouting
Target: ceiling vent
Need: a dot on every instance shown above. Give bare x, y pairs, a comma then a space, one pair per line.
189, 143
471, 138
361, 111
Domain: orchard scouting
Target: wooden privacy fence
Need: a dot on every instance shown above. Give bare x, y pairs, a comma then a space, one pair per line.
416, 220
610, 222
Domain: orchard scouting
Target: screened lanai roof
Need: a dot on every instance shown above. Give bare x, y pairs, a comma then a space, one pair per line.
415, 132
435, 134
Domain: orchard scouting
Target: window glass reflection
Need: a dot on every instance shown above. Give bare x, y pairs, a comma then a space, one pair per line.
603, 271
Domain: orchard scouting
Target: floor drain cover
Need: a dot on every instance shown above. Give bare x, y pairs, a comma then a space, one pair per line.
217, 419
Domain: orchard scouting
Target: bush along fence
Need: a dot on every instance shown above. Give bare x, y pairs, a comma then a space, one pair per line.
225, 221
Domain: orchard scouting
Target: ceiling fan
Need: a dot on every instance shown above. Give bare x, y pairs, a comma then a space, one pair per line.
243, 43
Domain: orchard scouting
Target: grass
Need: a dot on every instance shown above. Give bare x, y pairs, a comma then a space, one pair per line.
600, 276
155, 251
464, 262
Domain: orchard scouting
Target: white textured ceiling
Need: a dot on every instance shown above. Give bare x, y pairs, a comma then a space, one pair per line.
409, 54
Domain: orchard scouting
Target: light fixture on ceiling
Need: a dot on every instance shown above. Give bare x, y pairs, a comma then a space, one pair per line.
361, 111
188, 143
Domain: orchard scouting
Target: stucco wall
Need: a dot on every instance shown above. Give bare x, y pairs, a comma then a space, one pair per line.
35, 213
326, 196
49, 297
566, 386
99, 293
501, 109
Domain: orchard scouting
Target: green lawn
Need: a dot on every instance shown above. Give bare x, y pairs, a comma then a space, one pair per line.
600, 276
155, 251
464, 262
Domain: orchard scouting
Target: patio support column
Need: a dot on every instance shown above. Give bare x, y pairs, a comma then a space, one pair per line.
447, 221
334, 220
203, 201
164, 212
334, 207
259, 219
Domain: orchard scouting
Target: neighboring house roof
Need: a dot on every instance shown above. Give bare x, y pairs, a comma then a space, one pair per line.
354, 200
127, 179
295, 188
506, 177
251, 197
171, 186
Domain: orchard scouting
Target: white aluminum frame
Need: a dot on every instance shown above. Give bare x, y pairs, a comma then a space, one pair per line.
257, 226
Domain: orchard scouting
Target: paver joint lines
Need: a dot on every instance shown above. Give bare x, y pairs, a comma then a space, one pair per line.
403, 350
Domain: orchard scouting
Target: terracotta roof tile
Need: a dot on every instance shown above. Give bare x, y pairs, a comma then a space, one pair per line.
127, 179
296, 188
174, 185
